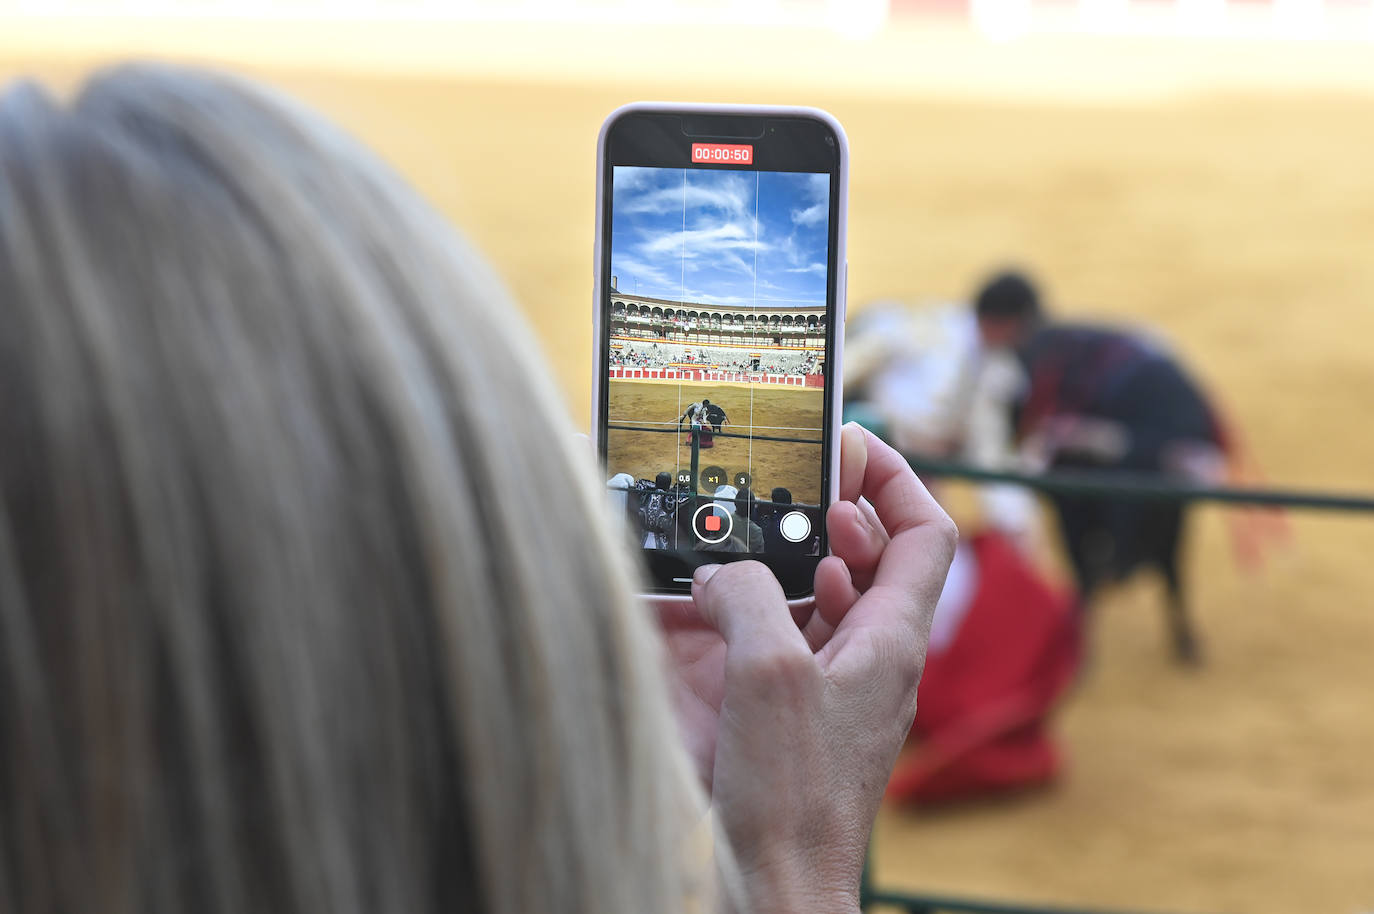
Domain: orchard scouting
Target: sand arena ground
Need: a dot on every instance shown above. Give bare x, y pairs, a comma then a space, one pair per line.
776, 412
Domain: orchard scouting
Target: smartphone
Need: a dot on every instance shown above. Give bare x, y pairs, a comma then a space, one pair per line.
719, 320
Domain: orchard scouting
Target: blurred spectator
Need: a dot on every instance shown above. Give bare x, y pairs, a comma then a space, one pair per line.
624, 502
750, 530
656, 509
770, 518
648, 506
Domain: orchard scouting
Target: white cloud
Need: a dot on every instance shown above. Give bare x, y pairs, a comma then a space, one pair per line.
730, 195
631, 178
700, 295
809, 268
813, 215
629, 269
818, 187
728, 237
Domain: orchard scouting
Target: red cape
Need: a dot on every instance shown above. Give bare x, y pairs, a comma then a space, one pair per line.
981, 720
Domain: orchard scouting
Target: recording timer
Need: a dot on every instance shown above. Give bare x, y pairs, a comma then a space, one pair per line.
722, 154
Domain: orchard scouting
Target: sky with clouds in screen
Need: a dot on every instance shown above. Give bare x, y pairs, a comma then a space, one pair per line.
742, 238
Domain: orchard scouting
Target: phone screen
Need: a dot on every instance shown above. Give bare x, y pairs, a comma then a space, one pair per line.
718, 307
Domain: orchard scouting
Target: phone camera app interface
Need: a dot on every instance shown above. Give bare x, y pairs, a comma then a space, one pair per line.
717, 330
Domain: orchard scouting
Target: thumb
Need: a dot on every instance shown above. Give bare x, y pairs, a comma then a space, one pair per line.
745, 604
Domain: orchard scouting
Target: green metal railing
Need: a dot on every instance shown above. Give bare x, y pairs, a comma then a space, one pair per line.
939, 904
1116, 484
696, 443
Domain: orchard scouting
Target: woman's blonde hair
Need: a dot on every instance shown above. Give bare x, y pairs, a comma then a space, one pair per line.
307, 601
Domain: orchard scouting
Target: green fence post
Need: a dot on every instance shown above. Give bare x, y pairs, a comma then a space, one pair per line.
696, 461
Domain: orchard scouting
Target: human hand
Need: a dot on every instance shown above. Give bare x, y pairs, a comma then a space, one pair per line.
795, 720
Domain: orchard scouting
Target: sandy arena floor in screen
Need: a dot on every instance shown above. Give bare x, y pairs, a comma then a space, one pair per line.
781, 412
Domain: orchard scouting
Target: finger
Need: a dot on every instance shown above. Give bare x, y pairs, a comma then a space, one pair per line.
900, 501
697, 723
870, 514
853, 459
835, 594
745, 603
857, 537
675, 613
912, 569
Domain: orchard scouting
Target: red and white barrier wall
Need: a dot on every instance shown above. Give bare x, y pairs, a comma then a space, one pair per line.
619, 372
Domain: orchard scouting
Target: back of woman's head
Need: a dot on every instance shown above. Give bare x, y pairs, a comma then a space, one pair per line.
301, 607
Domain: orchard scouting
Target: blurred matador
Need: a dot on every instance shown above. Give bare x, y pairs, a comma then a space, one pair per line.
1098, 397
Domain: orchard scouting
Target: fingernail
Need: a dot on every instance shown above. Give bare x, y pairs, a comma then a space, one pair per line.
704, 573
